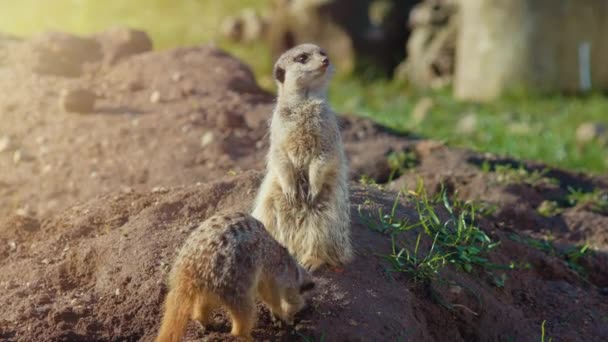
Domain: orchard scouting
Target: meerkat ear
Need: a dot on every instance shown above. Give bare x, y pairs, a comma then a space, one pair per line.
279, 74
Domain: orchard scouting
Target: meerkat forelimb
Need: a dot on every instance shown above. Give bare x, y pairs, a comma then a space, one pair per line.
227, 262
304, 200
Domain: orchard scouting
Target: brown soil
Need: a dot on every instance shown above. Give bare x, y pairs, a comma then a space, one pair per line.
95, 205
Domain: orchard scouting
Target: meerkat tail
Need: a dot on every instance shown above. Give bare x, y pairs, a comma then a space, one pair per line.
178, 309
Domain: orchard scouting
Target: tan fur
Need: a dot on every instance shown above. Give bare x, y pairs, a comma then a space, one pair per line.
304, 200
226, 262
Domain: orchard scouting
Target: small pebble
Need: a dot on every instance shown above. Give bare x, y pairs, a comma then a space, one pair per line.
5, 143
590, 131
155, 97
176, 77
159, 190
77, 100
206, 139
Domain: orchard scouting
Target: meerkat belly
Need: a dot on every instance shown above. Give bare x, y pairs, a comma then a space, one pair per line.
304, 145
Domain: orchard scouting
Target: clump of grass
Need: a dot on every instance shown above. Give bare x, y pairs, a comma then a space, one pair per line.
571, 256
366, 180
401, 161
507, 174
306, 338
549, 209
543, 334
455, 240
596, 200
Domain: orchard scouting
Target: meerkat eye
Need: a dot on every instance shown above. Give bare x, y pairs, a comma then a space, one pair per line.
322, 53
302, 58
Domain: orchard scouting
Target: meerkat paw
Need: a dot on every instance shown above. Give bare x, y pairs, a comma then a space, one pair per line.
279, 321
311, 264
312, 195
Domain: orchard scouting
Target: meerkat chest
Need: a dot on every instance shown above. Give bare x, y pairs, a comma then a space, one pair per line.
304, 141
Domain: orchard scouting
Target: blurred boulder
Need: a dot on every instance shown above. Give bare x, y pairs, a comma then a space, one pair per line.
56, 53
78, 100
531, 45
431, 47
592, 131
121, 42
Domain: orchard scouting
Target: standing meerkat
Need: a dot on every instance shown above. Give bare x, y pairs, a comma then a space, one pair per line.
303, 200
225, 262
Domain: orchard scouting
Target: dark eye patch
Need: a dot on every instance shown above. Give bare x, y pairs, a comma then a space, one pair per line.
322, 53
307, 287
279, 74
301, 58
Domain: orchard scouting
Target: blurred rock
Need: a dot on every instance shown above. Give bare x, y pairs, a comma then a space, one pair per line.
207, 139
590, 131
26, 223
155, 97
520, 128
421, 110
467, 124
59, 54
121, 42
229, 120
78, 100
5, 143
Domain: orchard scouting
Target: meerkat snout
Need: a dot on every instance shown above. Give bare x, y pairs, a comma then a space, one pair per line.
325, 62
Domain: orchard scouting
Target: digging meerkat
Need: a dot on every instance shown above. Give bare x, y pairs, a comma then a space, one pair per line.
304, 200
226, 262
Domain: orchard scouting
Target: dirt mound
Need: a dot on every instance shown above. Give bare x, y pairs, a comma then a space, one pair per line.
197, 111
97, 272
95, 205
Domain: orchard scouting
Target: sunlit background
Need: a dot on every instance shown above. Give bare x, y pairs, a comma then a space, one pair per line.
520, 124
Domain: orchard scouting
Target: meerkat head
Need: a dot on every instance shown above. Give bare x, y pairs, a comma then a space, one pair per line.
306, 284
304, 69
294, 297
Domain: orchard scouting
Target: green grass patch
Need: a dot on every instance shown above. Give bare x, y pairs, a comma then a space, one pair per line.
596, 200
534, 128
571, 256
454, 240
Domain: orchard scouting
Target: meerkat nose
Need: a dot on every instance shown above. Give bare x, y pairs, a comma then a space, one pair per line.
325, 61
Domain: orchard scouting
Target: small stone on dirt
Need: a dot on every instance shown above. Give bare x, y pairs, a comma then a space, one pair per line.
122, 42
5, 143
455, 289
77, 100
17, 157
229, 120
12, 245
155, 97
159, 190
206, 139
